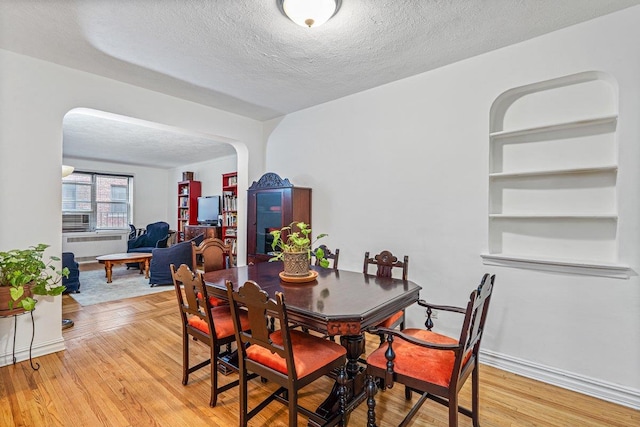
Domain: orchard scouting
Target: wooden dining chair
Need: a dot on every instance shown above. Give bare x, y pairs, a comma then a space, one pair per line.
212, 326
213, 253
289, 358
434, 365
385, 262
329, 255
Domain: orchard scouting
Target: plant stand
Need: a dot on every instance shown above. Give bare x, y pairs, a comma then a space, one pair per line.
35, 366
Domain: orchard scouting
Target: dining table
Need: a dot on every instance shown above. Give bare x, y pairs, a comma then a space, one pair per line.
337, 303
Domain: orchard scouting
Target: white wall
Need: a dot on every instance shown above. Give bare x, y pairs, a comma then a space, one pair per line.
404, 167
34, 97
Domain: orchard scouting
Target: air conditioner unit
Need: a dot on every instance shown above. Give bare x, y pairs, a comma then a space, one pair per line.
75, 222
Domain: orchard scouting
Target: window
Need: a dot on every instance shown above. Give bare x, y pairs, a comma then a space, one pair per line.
92, 201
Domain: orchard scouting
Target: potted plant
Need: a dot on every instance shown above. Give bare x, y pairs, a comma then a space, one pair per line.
294, 249
24, 273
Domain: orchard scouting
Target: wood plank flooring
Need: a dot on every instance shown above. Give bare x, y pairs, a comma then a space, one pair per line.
122, 367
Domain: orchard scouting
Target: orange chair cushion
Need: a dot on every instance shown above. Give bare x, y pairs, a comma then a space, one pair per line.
215, 302
389, 321
222, 320
310, 353
424, 364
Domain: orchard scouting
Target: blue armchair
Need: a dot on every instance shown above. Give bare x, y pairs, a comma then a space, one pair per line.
72, 283
156, 236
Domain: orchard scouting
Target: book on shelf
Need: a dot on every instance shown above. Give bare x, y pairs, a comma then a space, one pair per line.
230, 219
229, 201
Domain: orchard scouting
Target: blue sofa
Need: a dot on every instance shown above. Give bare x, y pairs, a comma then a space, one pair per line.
72, 283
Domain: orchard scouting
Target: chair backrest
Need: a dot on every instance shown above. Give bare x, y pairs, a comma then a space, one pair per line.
72, 282
385, 262
213, 252
133, 231
69, 260
192, 284
159, 267
156, 233
258, 304
474, 320
334, 256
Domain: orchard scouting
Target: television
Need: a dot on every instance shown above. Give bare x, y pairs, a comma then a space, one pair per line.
208, 210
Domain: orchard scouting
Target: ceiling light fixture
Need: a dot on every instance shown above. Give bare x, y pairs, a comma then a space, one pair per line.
66, 170
309, 13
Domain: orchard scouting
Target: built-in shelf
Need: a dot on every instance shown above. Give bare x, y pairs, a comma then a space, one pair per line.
553, 216
557, 127
572, 171
592, 268
552, 186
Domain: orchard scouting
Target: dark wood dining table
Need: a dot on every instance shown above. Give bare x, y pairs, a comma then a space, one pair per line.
338, 302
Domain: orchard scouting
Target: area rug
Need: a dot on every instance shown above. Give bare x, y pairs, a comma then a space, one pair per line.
94, 288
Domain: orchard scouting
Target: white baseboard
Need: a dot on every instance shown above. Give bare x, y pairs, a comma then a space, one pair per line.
37, 351
615, 393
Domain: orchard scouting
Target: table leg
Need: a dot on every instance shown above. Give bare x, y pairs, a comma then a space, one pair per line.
355, 392
146, 268
107, 268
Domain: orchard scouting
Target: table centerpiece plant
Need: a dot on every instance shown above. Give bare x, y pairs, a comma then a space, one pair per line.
24, 273
294, 248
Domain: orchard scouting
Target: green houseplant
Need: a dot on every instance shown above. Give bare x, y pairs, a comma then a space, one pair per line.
287, 242
24, 273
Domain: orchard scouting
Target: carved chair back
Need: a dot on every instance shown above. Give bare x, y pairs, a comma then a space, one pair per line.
385, 262
194, 302
213, 252
259, 309
329, 255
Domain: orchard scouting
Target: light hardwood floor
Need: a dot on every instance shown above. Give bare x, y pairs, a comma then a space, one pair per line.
122, 367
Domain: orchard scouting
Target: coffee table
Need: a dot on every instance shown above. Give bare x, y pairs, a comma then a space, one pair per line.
142, 258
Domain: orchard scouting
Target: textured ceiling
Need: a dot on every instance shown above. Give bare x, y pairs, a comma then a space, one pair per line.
105, 137
245, 57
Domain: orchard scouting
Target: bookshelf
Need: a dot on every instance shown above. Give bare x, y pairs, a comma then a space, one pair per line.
188, 193
230, 208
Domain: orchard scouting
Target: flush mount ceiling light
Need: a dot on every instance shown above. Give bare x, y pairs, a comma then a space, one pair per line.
309, 13
66, 170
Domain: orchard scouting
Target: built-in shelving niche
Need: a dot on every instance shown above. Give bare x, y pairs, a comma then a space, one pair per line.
552, 177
